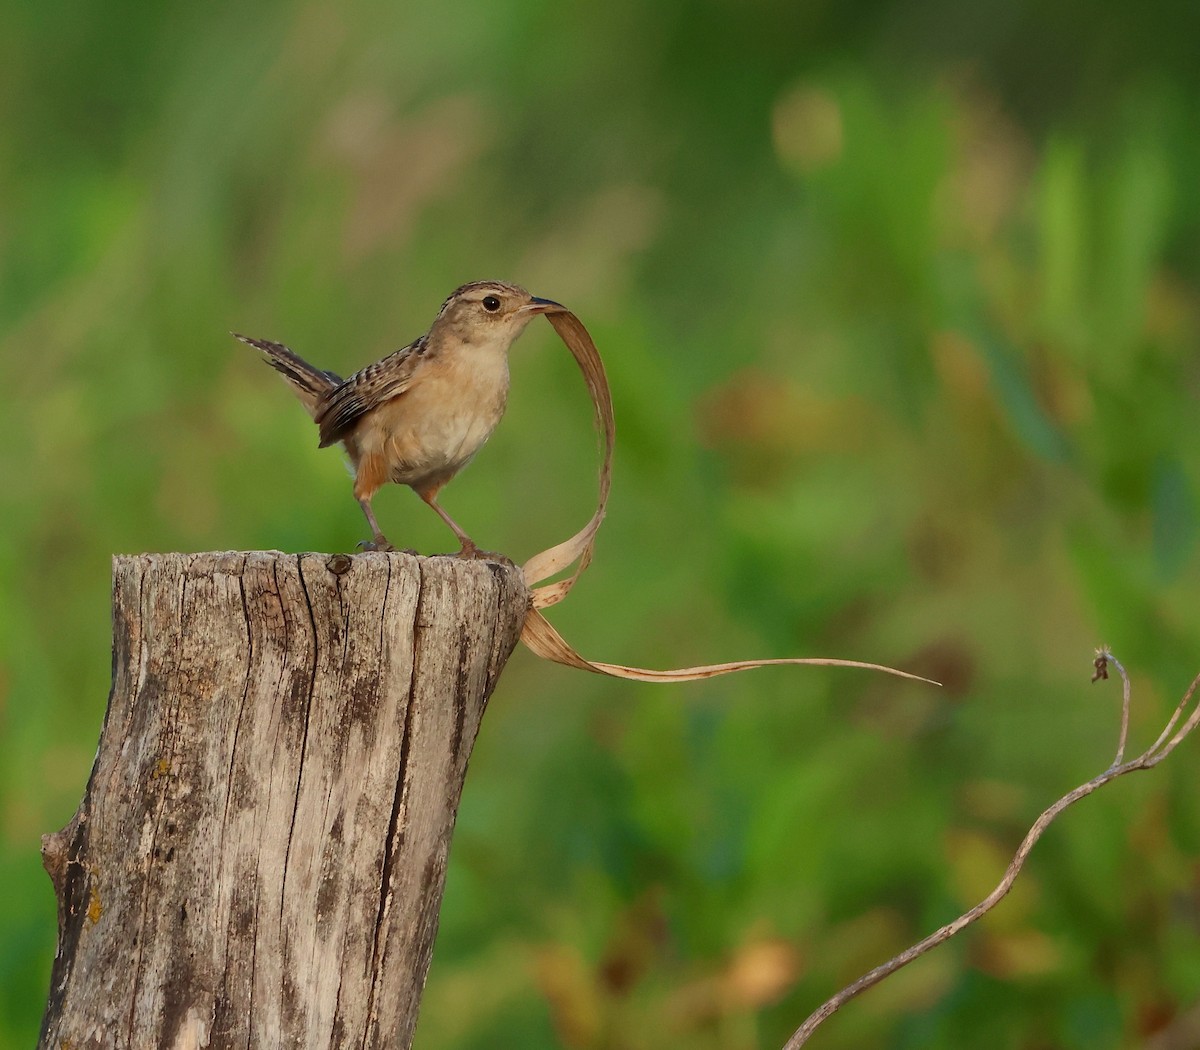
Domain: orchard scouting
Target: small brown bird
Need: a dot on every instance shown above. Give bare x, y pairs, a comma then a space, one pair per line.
419, 416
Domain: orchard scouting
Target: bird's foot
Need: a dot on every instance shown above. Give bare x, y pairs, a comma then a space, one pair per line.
379, 543
471, 552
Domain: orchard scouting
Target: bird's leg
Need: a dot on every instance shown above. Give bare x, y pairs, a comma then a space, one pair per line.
370, 472
379, 541
468, 548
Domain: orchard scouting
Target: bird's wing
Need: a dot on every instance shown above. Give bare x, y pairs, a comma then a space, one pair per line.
344, 406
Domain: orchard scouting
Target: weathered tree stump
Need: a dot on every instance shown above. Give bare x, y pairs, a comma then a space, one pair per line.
260, 855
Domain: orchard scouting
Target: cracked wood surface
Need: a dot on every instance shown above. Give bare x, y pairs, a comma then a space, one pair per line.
260, 854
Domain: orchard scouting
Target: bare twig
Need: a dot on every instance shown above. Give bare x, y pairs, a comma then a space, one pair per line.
1163, 746
1103, 656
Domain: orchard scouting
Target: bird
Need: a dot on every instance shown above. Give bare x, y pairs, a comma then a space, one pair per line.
418, 416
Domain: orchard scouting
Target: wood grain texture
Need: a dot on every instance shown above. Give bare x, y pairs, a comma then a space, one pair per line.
261, 851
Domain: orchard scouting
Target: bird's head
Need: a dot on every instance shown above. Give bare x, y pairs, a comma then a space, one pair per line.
489, 314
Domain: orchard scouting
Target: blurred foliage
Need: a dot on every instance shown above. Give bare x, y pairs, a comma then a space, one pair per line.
900, 302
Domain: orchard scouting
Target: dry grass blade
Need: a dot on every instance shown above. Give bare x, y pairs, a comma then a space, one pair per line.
538, 634
579, 547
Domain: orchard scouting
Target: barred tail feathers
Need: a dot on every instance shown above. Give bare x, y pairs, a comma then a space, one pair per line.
308, 383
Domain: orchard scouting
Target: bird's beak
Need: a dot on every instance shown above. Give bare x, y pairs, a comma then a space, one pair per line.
543, 306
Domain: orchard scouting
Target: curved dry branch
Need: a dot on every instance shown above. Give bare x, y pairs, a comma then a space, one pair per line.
1168, 740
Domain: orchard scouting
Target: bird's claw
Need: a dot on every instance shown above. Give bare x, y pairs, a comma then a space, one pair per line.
379, 543
472, 553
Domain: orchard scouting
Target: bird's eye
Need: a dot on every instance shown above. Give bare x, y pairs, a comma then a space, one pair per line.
491, 304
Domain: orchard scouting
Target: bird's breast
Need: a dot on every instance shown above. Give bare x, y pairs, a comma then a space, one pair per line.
446, 416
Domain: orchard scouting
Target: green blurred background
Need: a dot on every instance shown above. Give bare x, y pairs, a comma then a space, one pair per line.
900, 303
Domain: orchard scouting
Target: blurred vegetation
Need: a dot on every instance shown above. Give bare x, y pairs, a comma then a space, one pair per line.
900, 303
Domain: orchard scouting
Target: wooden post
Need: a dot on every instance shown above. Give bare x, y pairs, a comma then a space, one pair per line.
260, 854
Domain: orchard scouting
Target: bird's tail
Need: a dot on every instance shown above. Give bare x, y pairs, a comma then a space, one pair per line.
308, 383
